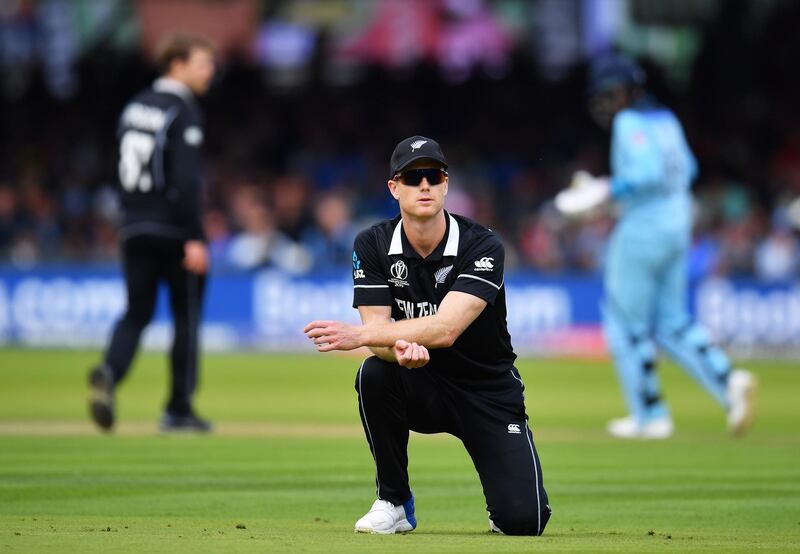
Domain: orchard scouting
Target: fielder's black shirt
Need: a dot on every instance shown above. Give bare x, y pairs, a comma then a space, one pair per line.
160, 137
387, 271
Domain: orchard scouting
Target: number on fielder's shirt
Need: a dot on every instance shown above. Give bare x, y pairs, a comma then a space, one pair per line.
135, 151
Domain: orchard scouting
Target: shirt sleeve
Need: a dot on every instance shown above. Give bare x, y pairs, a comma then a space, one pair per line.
185, 138
370, 282
481, 270
691, 161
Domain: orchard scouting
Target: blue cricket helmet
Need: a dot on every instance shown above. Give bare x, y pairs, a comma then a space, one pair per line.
613, 70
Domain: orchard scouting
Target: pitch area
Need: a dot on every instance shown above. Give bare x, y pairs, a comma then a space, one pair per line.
288, 469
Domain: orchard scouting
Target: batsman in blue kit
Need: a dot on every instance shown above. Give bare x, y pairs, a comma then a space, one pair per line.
645, 307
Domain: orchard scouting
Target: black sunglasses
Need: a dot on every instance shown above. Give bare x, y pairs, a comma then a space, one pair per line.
413, 177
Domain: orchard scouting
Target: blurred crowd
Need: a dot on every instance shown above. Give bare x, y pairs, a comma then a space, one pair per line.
292, 176
305, 219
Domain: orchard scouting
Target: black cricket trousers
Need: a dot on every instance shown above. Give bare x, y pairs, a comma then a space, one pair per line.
489, 419
148, 261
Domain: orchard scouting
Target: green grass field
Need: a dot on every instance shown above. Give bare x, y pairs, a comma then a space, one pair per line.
288, 468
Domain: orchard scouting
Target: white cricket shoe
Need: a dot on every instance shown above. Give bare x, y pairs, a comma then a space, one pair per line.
385, 518
741, 394
629, 428
494, 528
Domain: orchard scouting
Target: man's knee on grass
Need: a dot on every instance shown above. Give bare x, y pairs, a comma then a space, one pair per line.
522, 521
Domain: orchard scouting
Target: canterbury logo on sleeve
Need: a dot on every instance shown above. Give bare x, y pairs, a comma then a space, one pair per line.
484, 264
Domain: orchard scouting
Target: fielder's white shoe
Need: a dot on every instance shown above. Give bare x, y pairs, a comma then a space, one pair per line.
629, 428
385, 518
741, 395
494, 528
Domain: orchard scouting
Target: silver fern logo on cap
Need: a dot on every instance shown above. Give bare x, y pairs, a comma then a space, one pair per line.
417, 144
441, 274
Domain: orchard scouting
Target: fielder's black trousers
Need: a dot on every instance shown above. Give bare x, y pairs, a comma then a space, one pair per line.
147, 262
488, 418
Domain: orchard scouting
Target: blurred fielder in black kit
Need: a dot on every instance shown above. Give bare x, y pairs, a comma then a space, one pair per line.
162, 240
425, 280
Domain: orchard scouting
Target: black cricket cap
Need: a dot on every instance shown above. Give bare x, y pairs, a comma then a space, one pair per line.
415, 148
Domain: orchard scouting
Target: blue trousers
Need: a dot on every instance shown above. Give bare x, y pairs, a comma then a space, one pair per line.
646, 310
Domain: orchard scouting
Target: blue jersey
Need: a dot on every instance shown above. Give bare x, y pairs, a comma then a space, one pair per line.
652, 168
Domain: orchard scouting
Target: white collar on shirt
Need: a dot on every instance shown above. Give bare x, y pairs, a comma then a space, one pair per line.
450, 249
173, 86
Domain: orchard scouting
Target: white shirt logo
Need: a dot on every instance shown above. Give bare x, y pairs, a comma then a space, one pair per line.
513, 428
417, 144
441, 274
484, 264
193, 136
399, 270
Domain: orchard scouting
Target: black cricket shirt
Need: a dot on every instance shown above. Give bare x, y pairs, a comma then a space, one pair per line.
387, 271
160, 137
